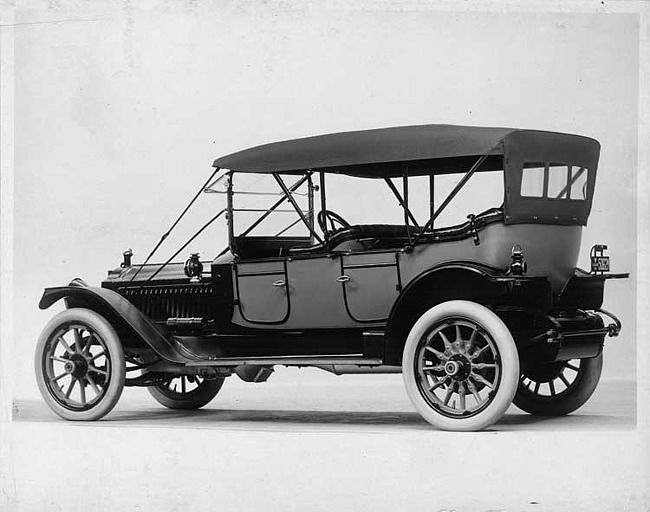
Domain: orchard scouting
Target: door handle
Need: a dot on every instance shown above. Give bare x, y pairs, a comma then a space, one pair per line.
343, 279
280, 283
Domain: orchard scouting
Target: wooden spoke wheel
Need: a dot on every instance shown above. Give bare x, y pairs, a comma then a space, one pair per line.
79, 365
555, 389
460, 366
186, 391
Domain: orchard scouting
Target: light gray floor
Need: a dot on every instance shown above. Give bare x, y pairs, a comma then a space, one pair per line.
344, 403
326, 443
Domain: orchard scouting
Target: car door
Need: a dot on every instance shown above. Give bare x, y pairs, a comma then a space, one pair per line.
262, 292
370, 284
316, 294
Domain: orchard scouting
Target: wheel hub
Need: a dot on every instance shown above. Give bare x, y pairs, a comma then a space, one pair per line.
76, 366
458, 367
452, 368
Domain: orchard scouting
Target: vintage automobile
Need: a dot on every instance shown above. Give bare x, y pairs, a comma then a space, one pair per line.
475, 315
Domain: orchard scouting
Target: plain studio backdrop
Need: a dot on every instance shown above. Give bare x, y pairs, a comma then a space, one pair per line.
118, 114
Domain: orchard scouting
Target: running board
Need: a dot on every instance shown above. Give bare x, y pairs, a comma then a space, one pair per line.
289, 361
294, 348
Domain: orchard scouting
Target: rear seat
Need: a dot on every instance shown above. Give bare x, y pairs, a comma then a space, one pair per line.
392, 235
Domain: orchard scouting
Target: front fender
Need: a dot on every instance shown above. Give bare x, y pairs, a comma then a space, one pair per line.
119, 312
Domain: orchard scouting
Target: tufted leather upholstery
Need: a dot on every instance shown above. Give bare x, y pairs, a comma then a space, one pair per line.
391, 235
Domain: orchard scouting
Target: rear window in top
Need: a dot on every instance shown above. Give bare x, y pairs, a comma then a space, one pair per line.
578, 188
532, 180
554, 181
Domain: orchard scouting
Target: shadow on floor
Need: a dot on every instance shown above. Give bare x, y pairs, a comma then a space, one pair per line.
255, 419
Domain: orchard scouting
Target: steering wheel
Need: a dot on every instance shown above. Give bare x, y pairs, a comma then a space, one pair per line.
333, 218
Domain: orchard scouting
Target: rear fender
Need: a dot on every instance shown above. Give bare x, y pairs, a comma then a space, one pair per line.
127, 320
459, 281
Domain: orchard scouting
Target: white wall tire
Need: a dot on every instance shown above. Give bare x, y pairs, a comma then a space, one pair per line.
460, 366
80, 367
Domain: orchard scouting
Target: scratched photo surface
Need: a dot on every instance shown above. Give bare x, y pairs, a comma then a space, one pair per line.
118, 113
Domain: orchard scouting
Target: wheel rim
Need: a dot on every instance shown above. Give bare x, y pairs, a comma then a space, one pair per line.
76, 366
458, 368
181, 387
552, 381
